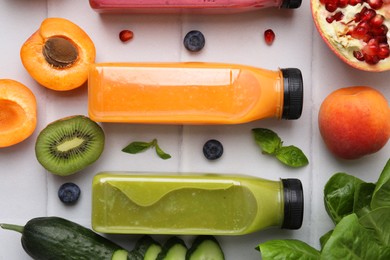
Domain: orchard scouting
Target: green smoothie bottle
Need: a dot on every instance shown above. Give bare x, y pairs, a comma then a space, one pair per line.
196, 204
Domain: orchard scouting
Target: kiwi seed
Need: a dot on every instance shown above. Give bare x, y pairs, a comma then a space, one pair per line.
68, 145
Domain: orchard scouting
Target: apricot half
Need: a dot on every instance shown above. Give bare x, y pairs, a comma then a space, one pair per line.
58, 54
356, 31
354, 121
18, 112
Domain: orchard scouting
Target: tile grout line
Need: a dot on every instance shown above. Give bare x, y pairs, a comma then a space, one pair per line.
311, 149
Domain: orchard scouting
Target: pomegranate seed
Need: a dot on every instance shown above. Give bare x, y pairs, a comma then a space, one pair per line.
368, 14
358, 17
377, 20
342, 3
359, 32
375, 4
358, 55
336, 17
372, 60
381, 38
269, 36
125, 35
384, 51
372, 48
379, 31
354, 2
331, 7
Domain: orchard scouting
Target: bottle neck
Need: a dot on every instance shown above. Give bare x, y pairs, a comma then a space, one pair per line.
279, 204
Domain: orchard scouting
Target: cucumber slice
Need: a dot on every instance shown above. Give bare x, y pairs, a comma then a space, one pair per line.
148, 248
120, 255
205, 248
173, 249
152, 252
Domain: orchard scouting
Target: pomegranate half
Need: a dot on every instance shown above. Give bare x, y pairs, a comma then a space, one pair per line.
356, 31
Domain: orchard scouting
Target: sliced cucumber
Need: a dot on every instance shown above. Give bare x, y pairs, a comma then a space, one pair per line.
120, 255
173, 249
205, 248
148, 247
152, 252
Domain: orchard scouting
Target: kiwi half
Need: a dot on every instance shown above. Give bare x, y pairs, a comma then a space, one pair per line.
70, 144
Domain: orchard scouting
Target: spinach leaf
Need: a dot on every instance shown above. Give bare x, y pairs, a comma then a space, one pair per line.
350, 240
381, 196
378, 221
339, 194
325, 237
287, 249
362, 200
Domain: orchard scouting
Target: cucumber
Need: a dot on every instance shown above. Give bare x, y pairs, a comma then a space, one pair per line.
57, 238
173, 249
205, 248
148, 247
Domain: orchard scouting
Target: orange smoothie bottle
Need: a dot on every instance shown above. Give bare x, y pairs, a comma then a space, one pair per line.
192, 93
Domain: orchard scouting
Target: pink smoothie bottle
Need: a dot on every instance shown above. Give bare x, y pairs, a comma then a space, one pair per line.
189, 6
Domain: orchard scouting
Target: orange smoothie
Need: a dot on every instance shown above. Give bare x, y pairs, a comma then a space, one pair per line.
191, 93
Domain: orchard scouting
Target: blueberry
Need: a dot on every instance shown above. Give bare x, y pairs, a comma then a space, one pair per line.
212, 149
69, 193
194, 41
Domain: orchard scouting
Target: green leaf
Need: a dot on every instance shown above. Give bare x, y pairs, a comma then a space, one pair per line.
350, 240
381, 196
287, 249
161, 153
292, 156
137, 147
378, 221
339, 195
362, 198
267, 140
325, 237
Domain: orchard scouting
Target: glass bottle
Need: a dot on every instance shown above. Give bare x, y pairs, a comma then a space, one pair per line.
131, 203
189, 6
192, 93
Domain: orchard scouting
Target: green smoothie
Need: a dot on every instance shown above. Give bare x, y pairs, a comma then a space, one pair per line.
131, 203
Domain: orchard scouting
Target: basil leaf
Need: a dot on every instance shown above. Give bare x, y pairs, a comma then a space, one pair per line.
351, 240
161, 153
378, 221
362, 198
381, 194
292, 156
267, 140
137, 147
287, 249
339, 195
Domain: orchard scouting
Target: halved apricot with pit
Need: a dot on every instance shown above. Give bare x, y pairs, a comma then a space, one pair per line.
58, 54
18, 112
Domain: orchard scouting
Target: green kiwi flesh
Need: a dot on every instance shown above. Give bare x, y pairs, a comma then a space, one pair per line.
68, 145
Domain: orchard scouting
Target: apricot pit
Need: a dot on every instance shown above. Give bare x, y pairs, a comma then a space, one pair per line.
58, 54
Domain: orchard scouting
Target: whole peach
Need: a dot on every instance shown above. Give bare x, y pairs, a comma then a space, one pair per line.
354, 121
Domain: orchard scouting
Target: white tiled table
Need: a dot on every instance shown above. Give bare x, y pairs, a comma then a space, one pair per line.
27, 190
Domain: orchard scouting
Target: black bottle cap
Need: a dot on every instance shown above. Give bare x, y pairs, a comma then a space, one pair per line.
293, 93
293, 203
291, 4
